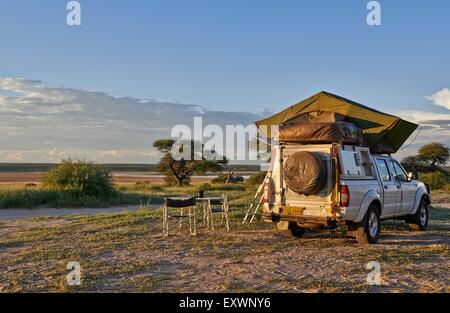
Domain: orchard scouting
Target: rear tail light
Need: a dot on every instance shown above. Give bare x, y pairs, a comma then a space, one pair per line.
344, 196
266, 192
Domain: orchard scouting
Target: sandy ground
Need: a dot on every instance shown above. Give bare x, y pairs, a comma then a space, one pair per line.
268, 262
125, 252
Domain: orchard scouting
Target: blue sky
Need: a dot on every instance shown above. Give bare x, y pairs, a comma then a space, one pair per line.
230, 55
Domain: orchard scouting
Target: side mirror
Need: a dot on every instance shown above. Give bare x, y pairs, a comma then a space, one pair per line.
412, 176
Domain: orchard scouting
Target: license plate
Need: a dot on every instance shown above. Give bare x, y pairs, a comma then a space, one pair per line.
296, 211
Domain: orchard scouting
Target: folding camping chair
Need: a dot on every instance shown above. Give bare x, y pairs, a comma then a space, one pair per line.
182, 217
218, 205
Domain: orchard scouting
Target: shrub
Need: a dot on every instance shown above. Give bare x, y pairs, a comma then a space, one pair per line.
80, 177
436, 180
256, 179
204, 187
222, 179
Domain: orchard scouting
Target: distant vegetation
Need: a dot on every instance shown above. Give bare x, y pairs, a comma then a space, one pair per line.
70, 184
430, 163
178, 171
85, 184
431, 158
137, 194
226, 178
436, 180
80, 177
44, 167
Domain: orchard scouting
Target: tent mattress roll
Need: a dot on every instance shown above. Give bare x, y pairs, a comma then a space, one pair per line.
321, 132
305, 173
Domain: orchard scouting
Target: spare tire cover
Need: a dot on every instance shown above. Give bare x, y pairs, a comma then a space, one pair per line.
305, 173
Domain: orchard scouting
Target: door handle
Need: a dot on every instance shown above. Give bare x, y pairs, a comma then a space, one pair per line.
398, 186
386, 187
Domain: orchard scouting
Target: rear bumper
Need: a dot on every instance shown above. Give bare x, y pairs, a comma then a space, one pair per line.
300, 219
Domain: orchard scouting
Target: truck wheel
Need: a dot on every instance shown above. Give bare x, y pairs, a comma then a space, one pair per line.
296, 230
419, 220
368, 230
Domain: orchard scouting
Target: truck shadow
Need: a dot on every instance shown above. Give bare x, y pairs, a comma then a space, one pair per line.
414, 239
402, 236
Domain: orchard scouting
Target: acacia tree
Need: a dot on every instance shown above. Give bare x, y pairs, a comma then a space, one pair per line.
435, 154
179, 171
429, 159
415, 164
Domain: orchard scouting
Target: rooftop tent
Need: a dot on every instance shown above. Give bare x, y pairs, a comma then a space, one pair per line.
382, 133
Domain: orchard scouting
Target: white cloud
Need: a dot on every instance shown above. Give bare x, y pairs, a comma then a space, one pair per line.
434, 127
441, 98
422, 116
86, 124
15, 157
150, 154
112, 154
36, 98
40, 123
57, 155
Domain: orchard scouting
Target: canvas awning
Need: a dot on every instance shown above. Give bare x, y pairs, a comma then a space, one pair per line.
382, 133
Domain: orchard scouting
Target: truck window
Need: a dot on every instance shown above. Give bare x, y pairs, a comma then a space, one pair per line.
383, 168
400, 174
349, 166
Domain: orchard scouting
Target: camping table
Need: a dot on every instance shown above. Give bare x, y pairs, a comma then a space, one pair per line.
207, 201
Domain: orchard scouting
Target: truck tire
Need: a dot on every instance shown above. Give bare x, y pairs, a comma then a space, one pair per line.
368, 230
294, 230
419, 220
305, 173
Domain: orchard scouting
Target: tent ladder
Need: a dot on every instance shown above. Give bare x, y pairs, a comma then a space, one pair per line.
256, 201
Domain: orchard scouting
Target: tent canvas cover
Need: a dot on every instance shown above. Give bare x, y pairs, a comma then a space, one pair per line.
382, 133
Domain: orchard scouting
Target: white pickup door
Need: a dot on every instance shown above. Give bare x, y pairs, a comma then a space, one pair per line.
408, 188
392, 195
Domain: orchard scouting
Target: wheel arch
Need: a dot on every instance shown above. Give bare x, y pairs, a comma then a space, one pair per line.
370, 198
377, 203
421, 193
426, 198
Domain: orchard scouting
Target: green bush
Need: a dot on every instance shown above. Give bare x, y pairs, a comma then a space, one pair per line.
222, 179
256, 179
80, 178
436, 180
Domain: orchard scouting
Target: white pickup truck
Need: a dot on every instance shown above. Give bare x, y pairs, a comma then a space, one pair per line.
331, 185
